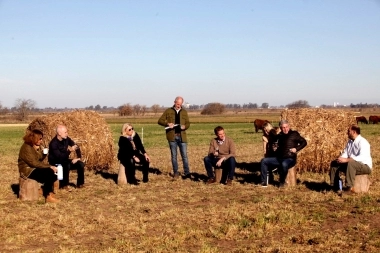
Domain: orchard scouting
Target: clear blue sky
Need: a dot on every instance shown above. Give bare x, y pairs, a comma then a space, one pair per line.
81, 53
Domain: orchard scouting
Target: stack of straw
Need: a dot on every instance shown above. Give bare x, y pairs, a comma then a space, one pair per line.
325, 132
88, 129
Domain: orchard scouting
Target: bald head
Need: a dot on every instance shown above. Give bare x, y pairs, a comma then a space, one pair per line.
178, 101
61, 132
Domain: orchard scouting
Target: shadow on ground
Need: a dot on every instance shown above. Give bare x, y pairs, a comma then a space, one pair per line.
113, 176
16, 189
317, 186
252, 177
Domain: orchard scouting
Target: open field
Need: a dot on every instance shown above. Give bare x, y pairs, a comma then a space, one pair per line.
187, 215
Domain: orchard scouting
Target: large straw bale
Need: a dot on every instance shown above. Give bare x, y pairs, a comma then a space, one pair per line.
88, 129
325, 132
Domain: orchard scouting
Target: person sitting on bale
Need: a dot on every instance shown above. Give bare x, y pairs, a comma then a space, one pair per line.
289, 143
221, 154
355, 160
60, 148
31, 165
270, 139
132, 152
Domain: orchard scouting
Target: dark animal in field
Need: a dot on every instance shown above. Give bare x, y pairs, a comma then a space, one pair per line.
258, 123
361, 119
374, 119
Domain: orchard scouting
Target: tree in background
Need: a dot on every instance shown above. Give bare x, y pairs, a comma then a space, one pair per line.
250, 106
143, 110
155, 108
125, 110
298, 104
265, 105
97, 108
136, 109
24, 108
3, 110
213, 108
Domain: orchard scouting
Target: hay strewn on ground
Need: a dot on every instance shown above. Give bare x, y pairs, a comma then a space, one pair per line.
325, 132
88, 129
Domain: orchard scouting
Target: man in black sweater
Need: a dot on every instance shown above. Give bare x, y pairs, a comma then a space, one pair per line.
289, 143
60, 148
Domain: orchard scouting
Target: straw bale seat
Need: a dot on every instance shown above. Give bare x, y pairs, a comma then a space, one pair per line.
121, 177
291, 178
29, 189
218, 174
362, 183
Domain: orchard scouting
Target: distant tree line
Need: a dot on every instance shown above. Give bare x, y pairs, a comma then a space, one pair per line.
24, 107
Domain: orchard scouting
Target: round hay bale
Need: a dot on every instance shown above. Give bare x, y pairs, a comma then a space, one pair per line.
325, 132
87, 129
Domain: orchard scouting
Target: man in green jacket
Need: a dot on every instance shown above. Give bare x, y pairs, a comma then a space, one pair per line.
176, 121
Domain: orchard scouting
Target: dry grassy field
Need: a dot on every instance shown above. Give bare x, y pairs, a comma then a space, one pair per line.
188, 215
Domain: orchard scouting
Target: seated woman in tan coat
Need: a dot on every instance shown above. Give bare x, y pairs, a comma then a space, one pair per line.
30, 164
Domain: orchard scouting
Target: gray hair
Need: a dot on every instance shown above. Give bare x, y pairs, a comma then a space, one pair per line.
283, 122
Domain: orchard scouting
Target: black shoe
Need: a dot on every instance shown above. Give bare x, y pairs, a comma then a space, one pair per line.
133, 182
187, 176
283, 185
145, 180
264, 184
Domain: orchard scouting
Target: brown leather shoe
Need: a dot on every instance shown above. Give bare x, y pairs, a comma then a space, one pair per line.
211, 181
349, 190
229, 182
51, 199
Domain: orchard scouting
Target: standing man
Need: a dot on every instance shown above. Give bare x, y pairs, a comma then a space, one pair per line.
355, 159
221, 154
176, 121
60, 148
289, 143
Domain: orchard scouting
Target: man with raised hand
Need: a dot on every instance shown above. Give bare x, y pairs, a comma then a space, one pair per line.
60, 148
355, 160
176, 121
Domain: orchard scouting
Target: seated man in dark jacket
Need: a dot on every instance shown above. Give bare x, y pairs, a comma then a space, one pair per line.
60, 148
289, 143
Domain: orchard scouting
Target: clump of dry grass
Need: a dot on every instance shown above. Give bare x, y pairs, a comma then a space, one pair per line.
325, 132
88, 129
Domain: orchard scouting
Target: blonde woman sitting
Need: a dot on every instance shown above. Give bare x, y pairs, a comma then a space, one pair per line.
270, 139
131, 151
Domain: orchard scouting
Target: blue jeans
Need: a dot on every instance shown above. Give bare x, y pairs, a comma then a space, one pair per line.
228, 167
283, 166
183, 150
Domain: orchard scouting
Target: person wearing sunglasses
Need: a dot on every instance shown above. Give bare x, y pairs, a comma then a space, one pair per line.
131, 152
31, 165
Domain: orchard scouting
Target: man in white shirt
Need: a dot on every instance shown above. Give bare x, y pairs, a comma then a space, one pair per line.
355, 159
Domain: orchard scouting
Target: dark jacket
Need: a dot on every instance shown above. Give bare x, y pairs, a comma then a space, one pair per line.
29, 159
169, 117
287, 141
58, 152
126, 151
